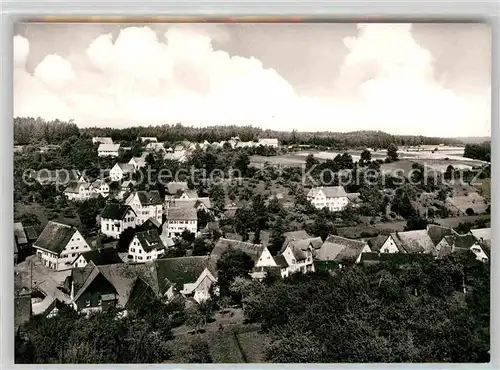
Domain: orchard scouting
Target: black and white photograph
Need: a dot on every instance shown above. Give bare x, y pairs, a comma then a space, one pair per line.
289, 192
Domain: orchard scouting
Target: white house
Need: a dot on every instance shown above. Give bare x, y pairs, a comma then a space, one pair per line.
453, 243
108, 150
190, 276
138, 162
150, 139
146, 204
299, 255
332, 197
269, 142
58, 245
100, 187
116, 218
180, 219
120, 170
414, 241
146, 246
259, 253
78, 191
102, 140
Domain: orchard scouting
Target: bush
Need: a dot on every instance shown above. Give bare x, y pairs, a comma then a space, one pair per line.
470, 212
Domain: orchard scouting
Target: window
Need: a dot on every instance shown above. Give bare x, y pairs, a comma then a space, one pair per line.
140, 251
386, 250
293, 261
99, 301
87, 303
132, 250
107, 227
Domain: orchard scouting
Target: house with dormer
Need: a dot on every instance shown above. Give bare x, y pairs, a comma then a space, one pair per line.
58, 245
116, 218
146, 204
146, 246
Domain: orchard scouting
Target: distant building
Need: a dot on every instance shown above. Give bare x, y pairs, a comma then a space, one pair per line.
102, 140
120, 170
138, 162
299, 255
415, 241
78, 191
58, 245
454, 243
108, 150
342, 250
180, 219
146, 204
143, 139
332, 197
146, 246
100, 187
116, 218
269, 142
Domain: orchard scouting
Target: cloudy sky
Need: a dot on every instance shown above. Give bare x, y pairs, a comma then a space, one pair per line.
428, 79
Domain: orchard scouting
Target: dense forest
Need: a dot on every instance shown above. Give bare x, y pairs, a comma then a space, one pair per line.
31, 130
478, 151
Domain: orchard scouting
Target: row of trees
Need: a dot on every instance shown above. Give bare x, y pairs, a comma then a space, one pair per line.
478, 151
29, 129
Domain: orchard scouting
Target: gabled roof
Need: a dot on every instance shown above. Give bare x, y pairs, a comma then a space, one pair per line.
191, 194
415, 241
437, 233
128, 183
102, 139
222, 245
329, 191
377, 242
31, 233
101, 256
74, 187
174, 187
300, 247
98, 183
337, 248
125, 167
115, 211
483, 235
182, 270
296, 235
150, 239
19, 233
182, 213
55, 237
108, 147
148, 198
281, 261
189, 203
464, 241
79, 275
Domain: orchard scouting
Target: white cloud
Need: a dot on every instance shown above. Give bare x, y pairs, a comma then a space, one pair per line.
386, 82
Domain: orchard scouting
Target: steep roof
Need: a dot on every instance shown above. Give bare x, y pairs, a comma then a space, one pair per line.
31, 233
329, 191
303, 243
189, 203
483, 235
300, 247
296, 235
108, 147
22, 310
19, 233
101, 256
148, 198
415, 241
115, 211
182, 213
191, 194
222, 245
464, 241
74, 187
281, 261
126, 167
150, 239
182, 270
377, 242
337, 248
437, 233
55, 237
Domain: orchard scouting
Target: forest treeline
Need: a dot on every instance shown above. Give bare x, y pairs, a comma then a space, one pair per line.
478, 151
30, 130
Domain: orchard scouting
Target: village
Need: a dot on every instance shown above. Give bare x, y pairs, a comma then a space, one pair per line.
176, 241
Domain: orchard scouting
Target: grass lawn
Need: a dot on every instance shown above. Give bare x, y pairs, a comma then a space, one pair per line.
484, 188
253, 345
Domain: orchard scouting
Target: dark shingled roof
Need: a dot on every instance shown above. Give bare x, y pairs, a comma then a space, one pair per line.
377, 242
150, 239
115, 211
31, 233
101, 256
222, 245
182, 213
79, 275
20, 233
149, 197
437, 233
22, 310
182, 270
300, 247
464, 241
415, 241
337, 248
281, 261
55, 237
